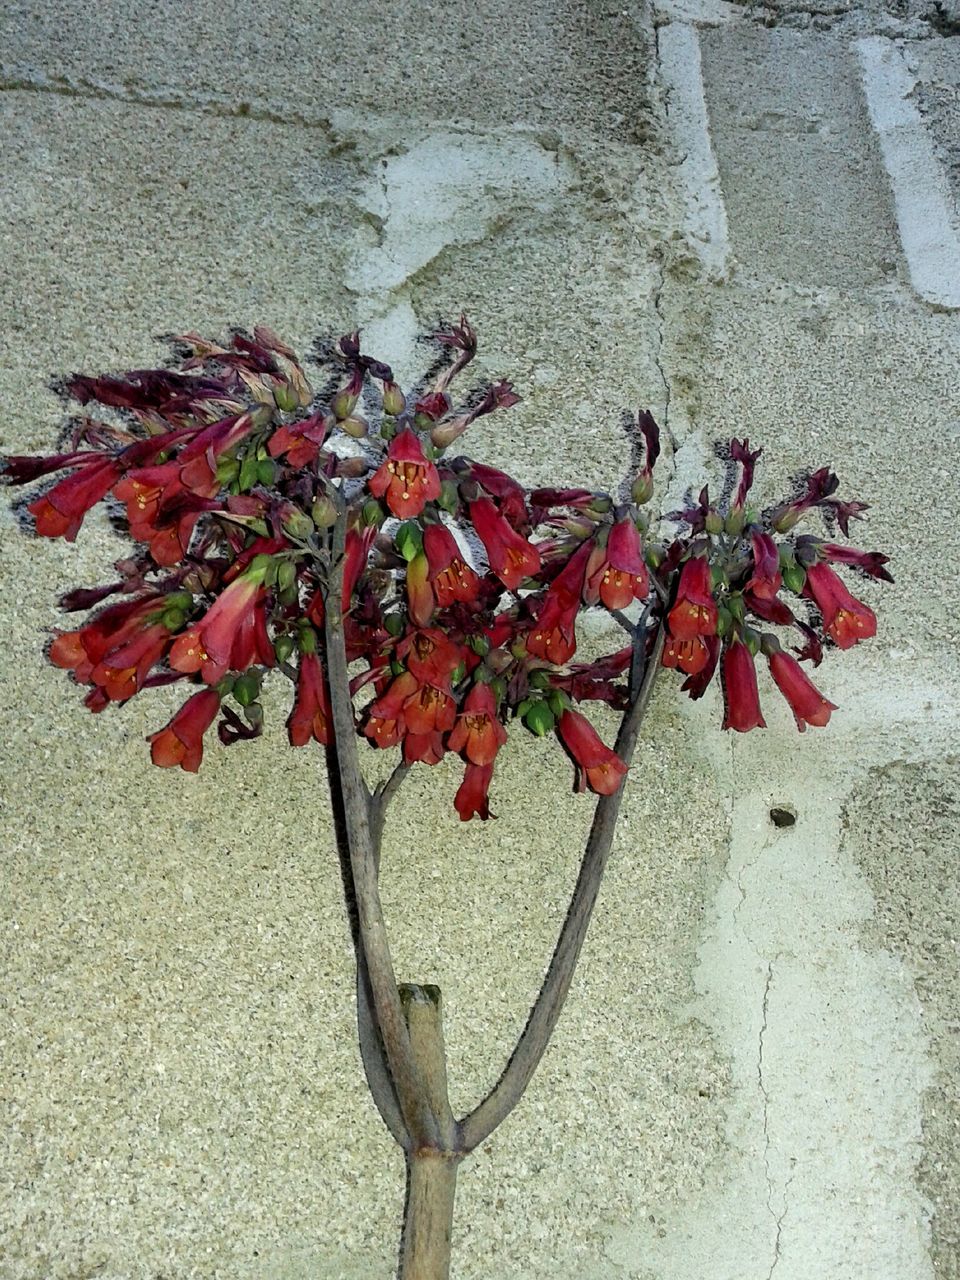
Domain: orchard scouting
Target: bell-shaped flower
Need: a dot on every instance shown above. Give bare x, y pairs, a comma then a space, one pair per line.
598, 767
616, 573
478, 733
845, 619
231, 634
741, 698
450, 576
807, 703
765, 580
406, 479
695, 610
311, 714
471, 798
59, 512
181, 741
512, 558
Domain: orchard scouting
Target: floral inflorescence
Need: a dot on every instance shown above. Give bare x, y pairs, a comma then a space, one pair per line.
461, 588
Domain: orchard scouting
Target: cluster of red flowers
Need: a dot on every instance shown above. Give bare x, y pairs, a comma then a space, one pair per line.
461, 590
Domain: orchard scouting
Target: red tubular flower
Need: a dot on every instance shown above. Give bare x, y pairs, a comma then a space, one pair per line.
181, 741
766, 579
512, 558
429, 710
311, 715
450, 576
427, 748
471, 798
845, 619
385, 725
406, 479
116, 650
553, 637
616, 573
695, 610
597, 766
807, 703
478, 733
741, 699
59, 513
690, 656
230, 634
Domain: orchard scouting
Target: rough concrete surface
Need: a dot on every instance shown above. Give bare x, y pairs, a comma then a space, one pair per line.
688, 207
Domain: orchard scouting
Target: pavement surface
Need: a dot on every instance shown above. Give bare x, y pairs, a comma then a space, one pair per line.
746, 217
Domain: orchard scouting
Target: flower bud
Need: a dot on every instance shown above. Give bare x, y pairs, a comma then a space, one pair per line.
286, 397
247, 688
394, 401
751, 639
388, 429
558, 702
173, 619
479, 644
283, 647
794, 577
289, 595
228, 469
724, 620
539, 719
344, 402
642, 490
409, 540
393, 624
307, 637
372, 513
298, 524
539, 680
286, 574
247, 477
355, 426
261, 416
735, 605
449, 498
178, 600
713, 522
324, 512
734, 522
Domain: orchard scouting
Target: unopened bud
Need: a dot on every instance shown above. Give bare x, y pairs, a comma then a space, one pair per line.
393, 624
642, 490
173, 619
344, 403
388, 429
718, 577
394, 401
355, 426
409, 540
558, 702
786, 520
794, 577
247, 476
283, 647
479, 644
449, 498
247, 688
298, 524
286, 397
307, 638
227, 470
286, 574
458, 672
751, 639
769, 645
261, 416
323, 512
599, 505
713, 522
734, 522
372, 513
724, 621
539, 719
735, 605
539, 680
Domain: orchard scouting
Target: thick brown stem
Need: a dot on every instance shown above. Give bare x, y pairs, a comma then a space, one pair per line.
431, 1171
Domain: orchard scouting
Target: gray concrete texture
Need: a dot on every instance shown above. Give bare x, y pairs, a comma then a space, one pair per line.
700, 207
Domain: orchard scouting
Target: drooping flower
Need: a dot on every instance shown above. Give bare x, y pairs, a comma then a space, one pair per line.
512, 558
766, 578
552, 636
310, 717
741, 698
231, 634
116, 650
420, 598
181, 741
845, 619
478, 732
406, 479
471, 798
385, 725
59, 513
429, 710
807, 703
430, 655
616, 573
598, 767
695, 610
450, 576
690, 656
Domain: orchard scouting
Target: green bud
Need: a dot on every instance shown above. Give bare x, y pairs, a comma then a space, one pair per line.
373, 513
323, 512
247, 476
261, 415
388, 429
283, 647
653, 554
499, 688
227, 470
225, 686
423, 422
794, 577
247, 688
769, 645
557, 701
355, 426
178, 600
734, 522
540, 719
735, 605
286, 574
522, 709
173, 619
718, 577
713, 522
751, 515
409, 540
642, 489
261, 566
600, 504
266, 471
286, 397
724, 620
751, 639
307, 639
479, 644
458, 672
254, 715
449, 498
299, 525
539, 680
396, 667
344, 403
289, 595
394, 401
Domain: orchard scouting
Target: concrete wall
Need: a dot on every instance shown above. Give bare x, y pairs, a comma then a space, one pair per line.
744, 217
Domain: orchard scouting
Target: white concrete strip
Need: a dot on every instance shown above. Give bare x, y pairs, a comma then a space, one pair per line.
928, 229
704, 219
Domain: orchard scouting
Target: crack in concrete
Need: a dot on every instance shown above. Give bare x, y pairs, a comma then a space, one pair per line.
778, 1218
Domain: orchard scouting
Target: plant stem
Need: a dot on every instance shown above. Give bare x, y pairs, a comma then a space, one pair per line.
420, 1123
533, 1041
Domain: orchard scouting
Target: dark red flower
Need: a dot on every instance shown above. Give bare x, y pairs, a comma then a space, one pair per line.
766, 578
598, 767
471, 797
695, 610
807, 703
311, 715
552, 636
845, 619
478, 732
741, 699
406, 480
181, 741
512, 558
690, 656
59, 512
230, 635
450, 576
